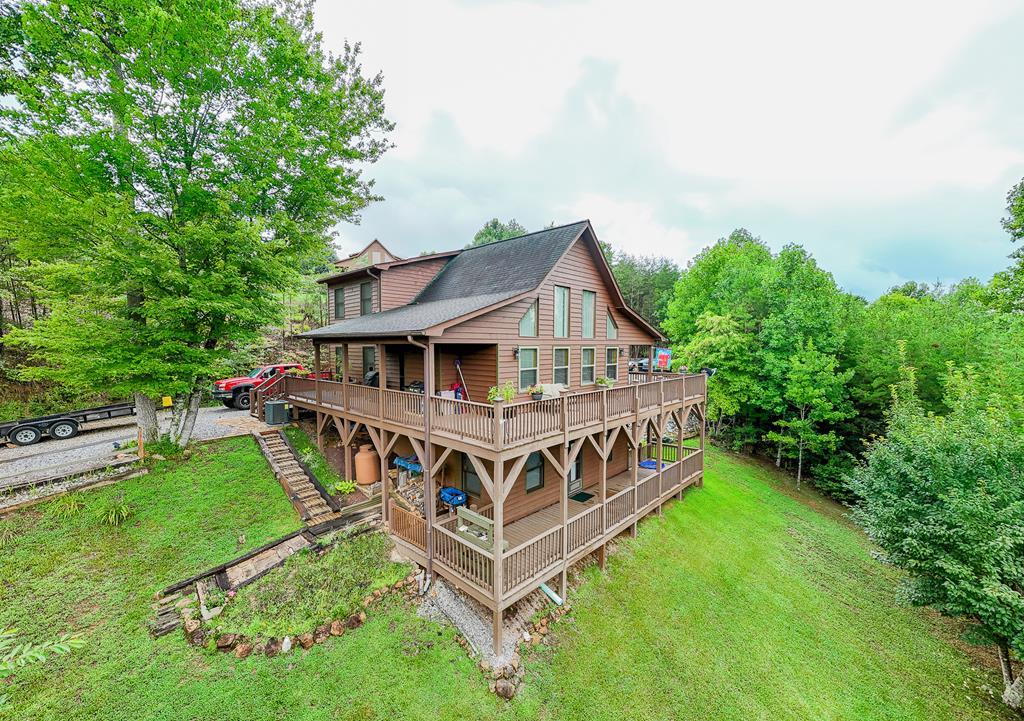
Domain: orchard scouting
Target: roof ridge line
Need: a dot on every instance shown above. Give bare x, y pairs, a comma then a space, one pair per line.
526, 235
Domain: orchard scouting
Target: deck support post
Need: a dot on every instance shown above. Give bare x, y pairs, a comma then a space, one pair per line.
316, 385
604, 484
429, 495
382, 379
385, 481
661, 451
650, 363
346, 365
635, 454
703, 427
498, 484
564, 496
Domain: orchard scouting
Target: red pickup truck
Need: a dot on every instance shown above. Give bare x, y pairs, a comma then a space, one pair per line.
234, 392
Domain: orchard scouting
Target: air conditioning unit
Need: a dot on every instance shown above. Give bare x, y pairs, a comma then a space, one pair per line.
276, 412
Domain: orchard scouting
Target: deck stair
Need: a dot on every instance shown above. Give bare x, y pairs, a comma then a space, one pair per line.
312, 502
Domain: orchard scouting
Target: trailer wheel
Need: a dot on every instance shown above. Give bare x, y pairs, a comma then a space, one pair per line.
64, 429
242, 399
25, 436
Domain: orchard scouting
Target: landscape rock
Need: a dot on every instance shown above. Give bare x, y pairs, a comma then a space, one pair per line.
227, 641
273, 646
197, 637
337, 627
504, 689
354, 621
286, 644
362, 617
321, 633
192, 625
305, 640
243, 650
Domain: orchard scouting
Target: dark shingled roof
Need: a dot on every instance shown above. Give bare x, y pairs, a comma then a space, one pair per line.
475, 279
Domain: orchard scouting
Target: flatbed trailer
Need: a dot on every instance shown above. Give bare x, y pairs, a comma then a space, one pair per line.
27, 431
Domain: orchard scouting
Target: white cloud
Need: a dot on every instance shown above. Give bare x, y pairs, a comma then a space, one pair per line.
631, 226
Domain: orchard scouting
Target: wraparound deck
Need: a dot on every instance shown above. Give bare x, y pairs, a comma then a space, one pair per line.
538, 544
494, 427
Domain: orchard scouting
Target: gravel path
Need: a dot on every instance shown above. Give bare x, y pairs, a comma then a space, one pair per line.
51, 456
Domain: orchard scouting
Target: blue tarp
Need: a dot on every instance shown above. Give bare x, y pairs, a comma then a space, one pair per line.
652, 464
411, 463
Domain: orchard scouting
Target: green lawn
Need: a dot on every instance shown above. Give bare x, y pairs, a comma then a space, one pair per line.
740, 603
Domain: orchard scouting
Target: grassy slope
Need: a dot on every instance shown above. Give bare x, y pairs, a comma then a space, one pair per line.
743, 603
740, 603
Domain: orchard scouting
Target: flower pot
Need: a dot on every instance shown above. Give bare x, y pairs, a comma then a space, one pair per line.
537, 396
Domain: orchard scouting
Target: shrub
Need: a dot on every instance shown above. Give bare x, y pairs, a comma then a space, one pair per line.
66, 507
7, 534
113, 511
342, 488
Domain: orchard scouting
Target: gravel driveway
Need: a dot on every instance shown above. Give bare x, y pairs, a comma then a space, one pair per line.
52, 456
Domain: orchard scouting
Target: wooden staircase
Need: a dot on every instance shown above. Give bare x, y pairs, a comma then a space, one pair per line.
310, 500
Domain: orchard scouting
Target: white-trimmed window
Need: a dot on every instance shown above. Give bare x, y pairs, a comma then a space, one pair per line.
528, 368
561, 312
528, 323
589, 313
611, 363
560, 366
587, 362
611, 327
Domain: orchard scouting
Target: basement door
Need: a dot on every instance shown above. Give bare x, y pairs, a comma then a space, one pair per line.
576, 475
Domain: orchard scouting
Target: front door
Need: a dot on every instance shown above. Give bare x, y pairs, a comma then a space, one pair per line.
576, 475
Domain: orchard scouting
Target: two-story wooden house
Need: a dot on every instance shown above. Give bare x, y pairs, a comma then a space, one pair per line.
549, 481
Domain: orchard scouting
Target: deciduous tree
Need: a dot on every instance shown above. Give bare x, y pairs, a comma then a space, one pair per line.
167, 167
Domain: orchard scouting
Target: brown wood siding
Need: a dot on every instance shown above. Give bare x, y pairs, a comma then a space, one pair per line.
479, 368
399, 285
520, 503
578, 271
351, 297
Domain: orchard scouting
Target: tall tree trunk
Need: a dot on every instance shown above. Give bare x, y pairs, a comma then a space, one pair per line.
799, 464
1013, 688
1004, 661
145, 418
188, 421
778, 456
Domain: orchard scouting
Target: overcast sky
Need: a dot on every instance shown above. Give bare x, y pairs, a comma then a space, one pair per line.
882, 136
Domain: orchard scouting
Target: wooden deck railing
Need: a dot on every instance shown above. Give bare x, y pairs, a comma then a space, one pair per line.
585, 528
522, 563
408, 526
691, 465
647, 491
468, 561
522, 422
515, 424
618, 508
463, 419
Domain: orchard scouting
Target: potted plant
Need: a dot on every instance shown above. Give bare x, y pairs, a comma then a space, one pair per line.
536, 392
505, 392
605, 381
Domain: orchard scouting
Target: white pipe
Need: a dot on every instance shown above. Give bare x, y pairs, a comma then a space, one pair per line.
551, 594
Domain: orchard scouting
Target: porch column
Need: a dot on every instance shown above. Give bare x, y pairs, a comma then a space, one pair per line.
634, 451
345, 366
316, 386
650, 363
429, 496
382, 379
498, 481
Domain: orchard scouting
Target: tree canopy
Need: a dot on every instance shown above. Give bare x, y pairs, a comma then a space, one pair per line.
494, 230
166, 168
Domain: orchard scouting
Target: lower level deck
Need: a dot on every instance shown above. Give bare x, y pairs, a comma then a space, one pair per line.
539, 546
